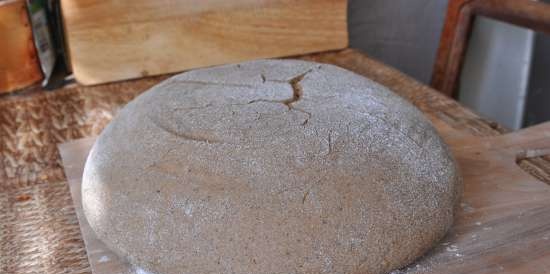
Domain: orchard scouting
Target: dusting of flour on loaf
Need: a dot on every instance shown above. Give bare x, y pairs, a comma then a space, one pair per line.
270, 167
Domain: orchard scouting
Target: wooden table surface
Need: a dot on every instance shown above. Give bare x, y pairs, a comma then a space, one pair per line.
503, 223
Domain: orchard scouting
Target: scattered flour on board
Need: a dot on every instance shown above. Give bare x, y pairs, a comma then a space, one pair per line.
410, 269
466, 207
452, 248
139, 270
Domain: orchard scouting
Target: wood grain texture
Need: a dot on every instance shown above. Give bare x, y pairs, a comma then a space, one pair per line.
115, 40
503, 225
19, 66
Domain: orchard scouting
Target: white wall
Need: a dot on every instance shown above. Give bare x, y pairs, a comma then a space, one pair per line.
495, 75
401, 33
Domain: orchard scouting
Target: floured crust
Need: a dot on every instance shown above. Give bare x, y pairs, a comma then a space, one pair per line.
270, 167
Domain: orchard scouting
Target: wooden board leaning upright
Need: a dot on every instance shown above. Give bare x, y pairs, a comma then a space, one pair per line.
19, 65
115, 40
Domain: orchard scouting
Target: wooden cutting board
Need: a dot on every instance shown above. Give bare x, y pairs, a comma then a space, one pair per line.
114, 40
502, 225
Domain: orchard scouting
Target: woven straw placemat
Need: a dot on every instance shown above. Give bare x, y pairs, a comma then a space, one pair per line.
39, 231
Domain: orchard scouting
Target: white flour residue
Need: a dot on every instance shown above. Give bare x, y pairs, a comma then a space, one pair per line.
188, 209
466, 207
452, 248
455, 251
409, 269
139, 270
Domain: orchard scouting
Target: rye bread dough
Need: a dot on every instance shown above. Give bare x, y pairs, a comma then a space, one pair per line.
270, 167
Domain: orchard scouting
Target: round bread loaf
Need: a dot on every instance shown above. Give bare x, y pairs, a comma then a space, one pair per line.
270, 167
